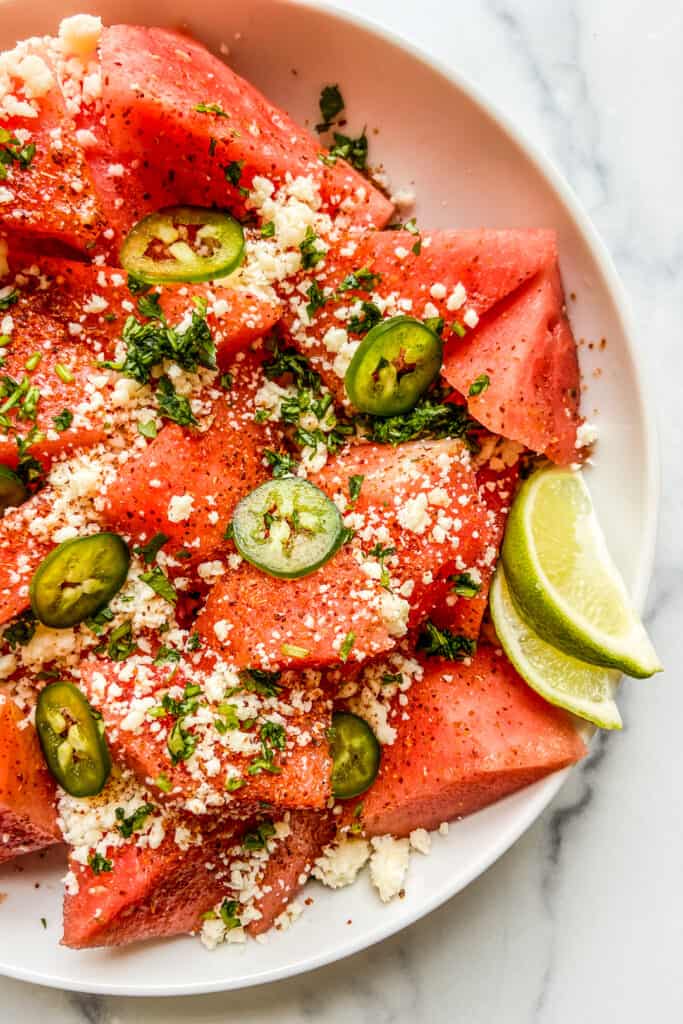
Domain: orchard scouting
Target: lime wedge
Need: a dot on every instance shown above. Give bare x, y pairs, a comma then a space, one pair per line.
563, 579
585, 690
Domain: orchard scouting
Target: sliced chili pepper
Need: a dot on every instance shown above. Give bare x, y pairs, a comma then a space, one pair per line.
355, 754
395, 363
79, 578
183, 243
287, 527
72, 738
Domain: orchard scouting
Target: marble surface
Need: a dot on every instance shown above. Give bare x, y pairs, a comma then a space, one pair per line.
582, 919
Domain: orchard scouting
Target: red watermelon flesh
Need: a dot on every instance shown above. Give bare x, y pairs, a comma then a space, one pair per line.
527, 350
153, 82
464, 615
256, 620
21, 553
451, 535
473, 734
290, 865
488, 264
52, 197
303, 771
149, 893
28, 819
216, 468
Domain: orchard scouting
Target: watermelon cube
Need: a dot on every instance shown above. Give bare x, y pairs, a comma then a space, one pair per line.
526, 350
469, 735
28, 819
210, 131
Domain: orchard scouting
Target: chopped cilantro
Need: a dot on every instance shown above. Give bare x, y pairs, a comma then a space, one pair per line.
194, 642
464, 585
257, 839
136, 286
362, 322
258, 680
181, 743
10, 298
159, 582
478, 385
13, 152
233, 174
127, 824
354, 151
148, 429
429, 418
435, 641
355, 484
211, 108
167, 656
331, 104
173, 406
281, 463
226, 381
99, 622
121, 643
363, 280
99, 864
272, 736
228, 914
150, 550
389, 678
163, 783
268, 229
458, 328
21, 630
287, 361
149, 343
316, 299
63, 420
148, 306
234, 783
311, 255
29, 469
347, 645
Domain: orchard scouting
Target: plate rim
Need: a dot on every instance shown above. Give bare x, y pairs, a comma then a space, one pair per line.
549, 788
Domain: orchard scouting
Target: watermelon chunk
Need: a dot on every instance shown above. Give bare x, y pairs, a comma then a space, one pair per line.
527, 350
470, 735
290, 865
21, 553
452, 272
28, 820
148, 893
463, 615
215, 468
302, 769
52, 196
420, 499
153, 82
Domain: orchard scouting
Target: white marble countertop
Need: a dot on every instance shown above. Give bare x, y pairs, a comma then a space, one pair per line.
583, 918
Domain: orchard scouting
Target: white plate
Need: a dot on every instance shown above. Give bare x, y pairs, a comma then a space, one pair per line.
469, 169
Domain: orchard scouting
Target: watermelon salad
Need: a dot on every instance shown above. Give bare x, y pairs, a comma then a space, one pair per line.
260, 433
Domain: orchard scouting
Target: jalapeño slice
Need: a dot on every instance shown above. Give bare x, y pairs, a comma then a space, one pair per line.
355, 755
12, 490
183, 243
72, 737
395, 363
78, 578
287, 527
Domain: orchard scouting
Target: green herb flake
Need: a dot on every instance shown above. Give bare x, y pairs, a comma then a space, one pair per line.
63, 420
234, 783
233, 174
180, 744
211, 108
268, 229
363, 280
150, 550
159, 582
99, 864
316, 299
430, 417
445, 644
99, 622
355, 484
464, 585
163, 783
458, 328
258, 680
257, 839
126, 825
281, 463
148, 429
21, 631
354, 151
172, 406
121, 642
167, 656
347, 645
9, 299
311, 255
228, 914
479, 385
360, 323
331, 104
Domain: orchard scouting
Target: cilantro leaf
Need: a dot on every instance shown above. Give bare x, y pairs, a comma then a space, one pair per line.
311, 255
445, 644
354, 151
331, 104
211, 108
63, 420
173, 406
150, 550
127, 824
159, 582
478, 385
429, 418
281, 463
